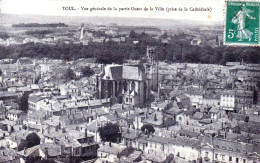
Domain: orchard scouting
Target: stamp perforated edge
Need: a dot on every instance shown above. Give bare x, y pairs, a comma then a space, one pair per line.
224, 26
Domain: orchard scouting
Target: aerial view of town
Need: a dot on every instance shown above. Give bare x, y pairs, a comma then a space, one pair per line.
115, 92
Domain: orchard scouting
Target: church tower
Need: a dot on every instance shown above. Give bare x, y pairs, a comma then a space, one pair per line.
152, 67
81, 32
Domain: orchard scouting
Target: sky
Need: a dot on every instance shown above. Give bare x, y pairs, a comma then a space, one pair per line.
55, 7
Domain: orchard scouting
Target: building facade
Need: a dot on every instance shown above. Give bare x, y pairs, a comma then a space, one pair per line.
126, 84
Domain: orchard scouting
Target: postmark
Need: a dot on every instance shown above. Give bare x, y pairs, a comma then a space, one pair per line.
242, 23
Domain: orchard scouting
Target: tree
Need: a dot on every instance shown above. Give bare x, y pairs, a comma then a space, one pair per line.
23, 103
69, 74
132, 34
165, 35
110, 132
255, 98
22, 145
32, 140
87, 71
4, 35
148, 129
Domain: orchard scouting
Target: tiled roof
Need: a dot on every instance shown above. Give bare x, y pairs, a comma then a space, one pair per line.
13, 111
7, 155
53, 149
35, 98
159, 139
234, 146
197, 115
191, 142
113, 149
116, 72
27, 152
214, 110
133, 134
188, 133
25, 61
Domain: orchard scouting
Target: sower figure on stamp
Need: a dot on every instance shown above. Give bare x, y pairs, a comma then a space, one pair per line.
240, 20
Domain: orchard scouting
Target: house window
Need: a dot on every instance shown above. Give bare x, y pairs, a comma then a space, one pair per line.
126, 99
77, 151
230, 158
223, 157
216, 156
207, 154
244, 160
237, 159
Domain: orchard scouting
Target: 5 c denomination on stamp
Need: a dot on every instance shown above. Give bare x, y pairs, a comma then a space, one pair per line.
242, 23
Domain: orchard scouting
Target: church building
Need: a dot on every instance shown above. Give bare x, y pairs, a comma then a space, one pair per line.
127, 84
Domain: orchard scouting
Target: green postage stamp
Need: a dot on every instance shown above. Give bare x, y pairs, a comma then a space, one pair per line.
242, 23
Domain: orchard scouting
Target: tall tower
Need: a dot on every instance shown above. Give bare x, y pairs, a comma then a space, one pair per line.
150, 53
152, 67
81, 32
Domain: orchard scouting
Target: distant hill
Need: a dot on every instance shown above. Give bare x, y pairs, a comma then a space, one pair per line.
40, 25
9, 19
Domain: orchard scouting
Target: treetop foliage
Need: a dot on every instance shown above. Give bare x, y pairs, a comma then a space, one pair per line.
110, 132
177, 50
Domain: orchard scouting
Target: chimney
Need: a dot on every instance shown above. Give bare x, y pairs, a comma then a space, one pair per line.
56, 128
63, 130
62, 149
86, 133
155, 117
46, 152
135, 133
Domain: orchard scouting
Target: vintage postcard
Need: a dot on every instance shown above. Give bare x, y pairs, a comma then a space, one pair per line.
129, 81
